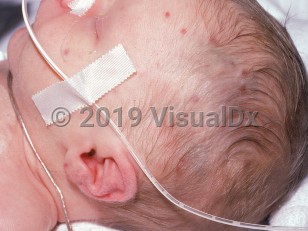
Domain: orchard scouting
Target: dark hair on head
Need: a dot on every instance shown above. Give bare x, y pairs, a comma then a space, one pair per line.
246, 59
292, 72
289, 70
265, 74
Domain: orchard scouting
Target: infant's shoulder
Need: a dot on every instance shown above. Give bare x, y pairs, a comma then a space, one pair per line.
8, 122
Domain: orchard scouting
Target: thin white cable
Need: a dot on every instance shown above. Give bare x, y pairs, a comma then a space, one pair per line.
68, 223
143, 167
24, 128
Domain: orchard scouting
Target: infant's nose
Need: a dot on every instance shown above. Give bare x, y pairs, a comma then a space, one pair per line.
89, 7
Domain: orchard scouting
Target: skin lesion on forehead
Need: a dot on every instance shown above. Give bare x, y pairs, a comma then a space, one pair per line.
167, 14
183, 31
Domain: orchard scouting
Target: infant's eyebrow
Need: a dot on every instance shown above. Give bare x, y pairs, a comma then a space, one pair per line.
91, 83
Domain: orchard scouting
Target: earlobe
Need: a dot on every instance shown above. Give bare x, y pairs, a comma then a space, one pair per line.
101, 176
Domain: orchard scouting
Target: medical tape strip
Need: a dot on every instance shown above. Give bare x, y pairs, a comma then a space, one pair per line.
80, 7
91, 83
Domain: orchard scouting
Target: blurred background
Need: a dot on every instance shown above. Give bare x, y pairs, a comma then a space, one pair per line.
11, 18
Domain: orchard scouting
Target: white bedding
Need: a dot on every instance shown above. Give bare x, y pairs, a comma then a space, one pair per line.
84, 226
297, 23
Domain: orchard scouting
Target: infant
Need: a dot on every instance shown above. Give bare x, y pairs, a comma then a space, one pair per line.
191, 56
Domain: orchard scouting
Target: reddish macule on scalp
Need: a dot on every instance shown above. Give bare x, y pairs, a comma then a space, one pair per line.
183, 31
213, 40
245, 73
243, 88
194, 99
232, 63
167, 14
180, 167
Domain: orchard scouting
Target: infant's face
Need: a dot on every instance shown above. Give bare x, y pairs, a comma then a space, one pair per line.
73, 42
150, 32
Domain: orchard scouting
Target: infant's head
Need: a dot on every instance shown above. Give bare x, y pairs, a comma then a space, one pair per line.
191, 56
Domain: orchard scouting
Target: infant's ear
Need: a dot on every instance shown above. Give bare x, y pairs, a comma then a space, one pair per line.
102, 170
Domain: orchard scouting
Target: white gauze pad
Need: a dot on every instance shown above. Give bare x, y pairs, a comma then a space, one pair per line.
91, 83
80, 7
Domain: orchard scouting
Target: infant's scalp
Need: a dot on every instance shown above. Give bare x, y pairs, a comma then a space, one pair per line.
229, 56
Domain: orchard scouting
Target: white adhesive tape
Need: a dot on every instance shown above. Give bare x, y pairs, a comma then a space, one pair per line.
91, 83
80, 7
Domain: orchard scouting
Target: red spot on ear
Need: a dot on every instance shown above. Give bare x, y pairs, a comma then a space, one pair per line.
66, 52
167, 14
183, 31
